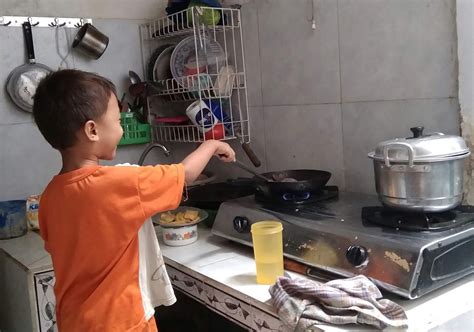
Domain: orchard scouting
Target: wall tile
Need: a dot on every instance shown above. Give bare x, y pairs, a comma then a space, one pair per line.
86, 8
395, 49
308, 136
122, 54
257, 143
27, 162
299, 65
252, 53
368, 123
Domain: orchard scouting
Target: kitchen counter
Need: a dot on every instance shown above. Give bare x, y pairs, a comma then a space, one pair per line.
230, 267
221, 275
28, 251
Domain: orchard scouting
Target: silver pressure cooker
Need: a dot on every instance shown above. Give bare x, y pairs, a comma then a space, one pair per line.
420, 173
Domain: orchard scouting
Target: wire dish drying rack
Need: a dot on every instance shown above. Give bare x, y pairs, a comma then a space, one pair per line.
196, 55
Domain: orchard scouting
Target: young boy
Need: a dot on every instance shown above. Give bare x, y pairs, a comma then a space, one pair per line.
95, 219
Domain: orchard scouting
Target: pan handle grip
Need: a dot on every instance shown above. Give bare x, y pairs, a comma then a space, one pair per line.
294, 266
252, 156
29, 42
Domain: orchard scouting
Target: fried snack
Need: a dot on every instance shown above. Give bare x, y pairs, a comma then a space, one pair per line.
191, 215
167, 217
180, 217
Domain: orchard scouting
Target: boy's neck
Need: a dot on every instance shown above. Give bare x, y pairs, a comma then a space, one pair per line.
74, 159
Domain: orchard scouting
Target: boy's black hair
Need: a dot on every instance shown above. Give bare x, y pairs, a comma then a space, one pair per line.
65, 100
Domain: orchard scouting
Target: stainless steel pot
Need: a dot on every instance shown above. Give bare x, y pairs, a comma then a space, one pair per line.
420, 173
90, 41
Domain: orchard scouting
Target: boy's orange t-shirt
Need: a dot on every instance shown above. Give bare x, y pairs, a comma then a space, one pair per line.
89, 219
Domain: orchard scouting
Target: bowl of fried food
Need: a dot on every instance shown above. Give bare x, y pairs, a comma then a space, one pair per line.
180, 225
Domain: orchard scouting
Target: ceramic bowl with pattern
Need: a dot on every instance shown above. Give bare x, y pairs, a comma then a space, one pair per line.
180, 233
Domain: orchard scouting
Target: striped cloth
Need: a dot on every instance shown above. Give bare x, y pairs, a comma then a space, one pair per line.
302, 303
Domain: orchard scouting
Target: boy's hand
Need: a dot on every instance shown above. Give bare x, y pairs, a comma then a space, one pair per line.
198, 159
224, 152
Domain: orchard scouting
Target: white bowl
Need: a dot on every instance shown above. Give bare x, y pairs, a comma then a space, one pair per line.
180, 236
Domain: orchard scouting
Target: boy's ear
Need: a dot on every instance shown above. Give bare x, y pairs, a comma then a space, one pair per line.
90, 129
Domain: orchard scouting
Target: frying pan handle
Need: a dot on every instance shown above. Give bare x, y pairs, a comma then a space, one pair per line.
29, 42
252, 156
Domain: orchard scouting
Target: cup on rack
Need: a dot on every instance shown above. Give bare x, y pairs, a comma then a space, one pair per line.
217, 132
267, 242
201, 116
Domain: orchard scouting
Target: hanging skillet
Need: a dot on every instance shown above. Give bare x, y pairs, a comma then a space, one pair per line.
23, 80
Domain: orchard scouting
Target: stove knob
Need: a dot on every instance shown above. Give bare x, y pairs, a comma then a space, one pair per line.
242, 224
356, 255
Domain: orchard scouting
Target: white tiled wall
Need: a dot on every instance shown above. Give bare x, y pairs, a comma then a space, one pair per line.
369, 71
27, 162
122, 9
318, 98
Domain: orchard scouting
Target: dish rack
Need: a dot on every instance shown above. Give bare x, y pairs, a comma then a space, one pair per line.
204, 48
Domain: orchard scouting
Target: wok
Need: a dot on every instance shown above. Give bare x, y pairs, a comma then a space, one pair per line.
210, 196
304, 181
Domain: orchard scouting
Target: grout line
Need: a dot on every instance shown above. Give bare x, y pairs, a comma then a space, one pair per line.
16, 123
340, 96
359, 101
261, 88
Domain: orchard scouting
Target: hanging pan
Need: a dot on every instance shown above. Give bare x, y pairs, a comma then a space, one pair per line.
23, 80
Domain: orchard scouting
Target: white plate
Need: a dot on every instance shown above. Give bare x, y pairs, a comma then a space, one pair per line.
161, 68
210, 56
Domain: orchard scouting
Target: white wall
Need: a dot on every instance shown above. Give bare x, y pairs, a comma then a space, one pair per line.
123, 9
323, 98
465, 32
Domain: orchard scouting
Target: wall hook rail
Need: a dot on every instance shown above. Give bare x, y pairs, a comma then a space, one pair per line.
44, 22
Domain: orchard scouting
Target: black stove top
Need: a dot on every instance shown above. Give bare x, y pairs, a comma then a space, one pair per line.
295, 200
417, 221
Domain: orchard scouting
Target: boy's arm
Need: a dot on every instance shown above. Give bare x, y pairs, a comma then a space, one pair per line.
195, 162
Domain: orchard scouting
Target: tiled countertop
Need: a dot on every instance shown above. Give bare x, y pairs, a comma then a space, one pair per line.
231, 267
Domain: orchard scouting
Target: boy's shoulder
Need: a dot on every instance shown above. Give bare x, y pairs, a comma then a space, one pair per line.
92, 175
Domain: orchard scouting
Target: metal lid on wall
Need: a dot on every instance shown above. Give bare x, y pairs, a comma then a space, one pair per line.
421, 147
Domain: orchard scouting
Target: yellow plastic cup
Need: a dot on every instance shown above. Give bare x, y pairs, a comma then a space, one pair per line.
268, 250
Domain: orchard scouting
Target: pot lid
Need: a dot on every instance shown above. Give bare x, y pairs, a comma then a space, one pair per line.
422, 147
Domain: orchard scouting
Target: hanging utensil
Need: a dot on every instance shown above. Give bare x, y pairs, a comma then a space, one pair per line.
90, 41
134, 77
23, 80
246, 145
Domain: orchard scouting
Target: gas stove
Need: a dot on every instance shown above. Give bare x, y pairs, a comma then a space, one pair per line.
347, 234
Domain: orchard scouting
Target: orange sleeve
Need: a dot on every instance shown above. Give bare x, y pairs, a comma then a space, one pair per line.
160, 188
42, 222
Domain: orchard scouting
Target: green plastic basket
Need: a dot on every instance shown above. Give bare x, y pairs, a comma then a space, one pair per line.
134, 132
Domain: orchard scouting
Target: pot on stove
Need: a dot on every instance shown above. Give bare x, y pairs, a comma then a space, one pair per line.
420, 173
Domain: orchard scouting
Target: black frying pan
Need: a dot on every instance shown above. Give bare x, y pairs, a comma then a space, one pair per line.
302, 181
23, 80
210, 196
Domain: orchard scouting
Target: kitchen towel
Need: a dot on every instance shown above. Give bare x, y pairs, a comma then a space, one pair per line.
302, 303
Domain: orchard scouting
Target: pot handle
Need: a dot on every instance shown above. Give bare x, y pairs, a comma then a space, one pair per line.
388, 147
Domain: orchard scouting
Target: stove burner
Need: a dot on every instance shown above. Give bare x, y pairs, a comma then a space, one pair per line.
418, 221
297, 198
304, 205
302, 197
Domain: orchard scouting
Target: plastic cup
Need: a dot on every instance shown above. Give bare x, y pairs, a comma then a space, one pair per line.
268, 250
